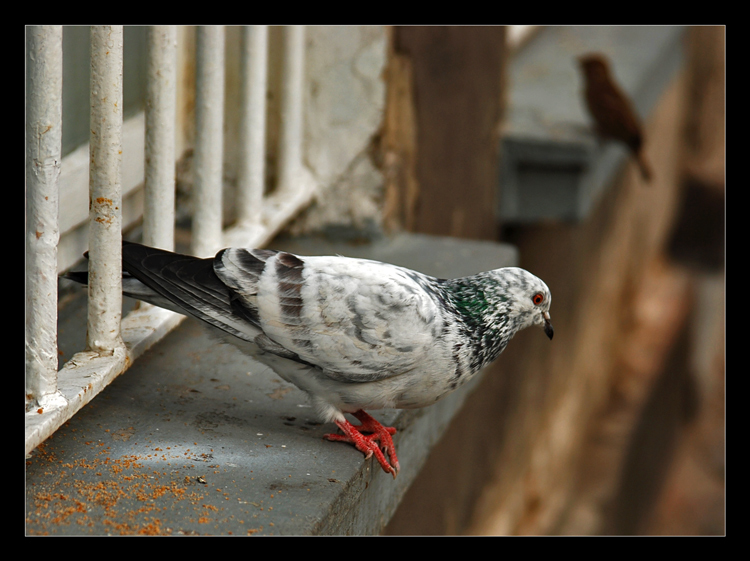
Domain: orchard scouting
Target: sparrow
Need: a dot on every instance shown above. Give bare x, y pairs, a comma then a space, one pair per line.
611, 109
353, 334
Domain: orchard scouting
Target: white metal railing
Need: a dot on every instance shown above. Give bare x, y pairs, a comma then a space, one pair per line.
43, 159
161, 103
53, 397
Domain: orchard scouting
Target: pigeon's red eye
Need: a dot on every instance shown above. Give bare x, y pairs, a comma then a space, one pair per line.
538, 298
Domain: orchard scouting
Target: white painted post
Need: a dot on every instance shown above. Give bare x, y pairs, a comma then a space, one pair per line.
161, 101
209, 137
292, 98
43, 157
252, 134
105, 188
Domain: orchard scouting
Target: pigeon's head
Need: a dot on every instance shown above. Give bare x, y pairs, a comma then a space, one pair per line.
528, 296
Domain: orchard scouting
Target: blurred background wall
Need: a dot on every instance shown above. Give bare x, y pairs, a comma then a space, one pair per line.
618, 426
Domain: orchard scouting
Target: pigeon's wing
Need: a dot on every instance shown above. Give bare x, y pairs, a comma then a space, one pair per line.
188, 285
357, 320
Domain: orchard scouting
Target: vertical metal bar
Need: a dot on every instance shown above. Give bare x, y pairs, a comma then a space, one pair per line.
209, 133
105, 188
252, 134
43, 157
161, 100
290, 155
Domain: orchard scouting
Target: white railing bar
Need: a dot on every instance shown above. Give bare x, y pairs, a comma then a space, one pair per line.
209, 138
296, 185
161, 117
252, 133
74, 191
105, 190
43, 158
292, 102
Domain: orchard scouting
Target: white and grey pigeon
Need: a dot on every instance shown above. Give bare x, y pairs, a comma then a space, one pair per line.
354, 334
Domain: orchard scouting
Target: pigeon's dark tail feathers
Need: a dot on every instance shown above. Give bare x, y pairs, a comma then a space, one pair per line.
130, 287
184, 284
81, 277
191, 284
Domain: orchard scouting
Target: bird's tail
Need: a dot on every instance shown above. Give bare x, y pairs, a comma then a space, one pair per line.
132, 286
184, 284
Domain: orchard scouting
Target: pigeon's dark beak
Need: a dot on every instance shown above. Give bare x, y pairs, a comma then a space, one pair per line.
548, 329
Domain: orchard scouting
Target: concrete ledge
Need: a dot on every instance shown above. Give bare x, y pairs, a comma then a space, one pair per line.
552, 166
197, 439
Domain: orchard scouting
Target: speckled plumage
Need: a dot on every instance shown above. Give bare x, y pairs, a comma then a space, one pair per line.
354, 334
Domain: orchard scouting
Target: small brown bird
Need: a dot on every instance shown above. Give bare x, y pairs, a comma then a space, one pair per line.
611, 109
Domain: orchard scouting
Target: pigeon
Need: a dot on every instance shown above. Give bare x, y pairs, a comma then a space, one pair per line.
611, 109
353, 334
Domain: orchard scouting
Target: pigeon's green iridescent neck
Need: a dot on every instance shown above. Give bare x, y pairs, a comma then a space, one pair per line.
476, 297
482, 309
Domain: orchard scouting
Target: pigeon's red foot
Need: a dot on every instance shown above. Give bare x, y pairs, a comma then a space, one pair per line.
368, 443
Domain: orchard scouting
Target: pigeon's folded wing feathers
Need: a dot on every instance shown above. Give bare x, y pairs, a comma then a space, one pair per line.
352, 318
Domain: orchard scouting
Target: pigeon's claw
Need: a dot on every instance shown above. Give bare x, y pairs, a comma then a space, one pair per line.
378, 442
